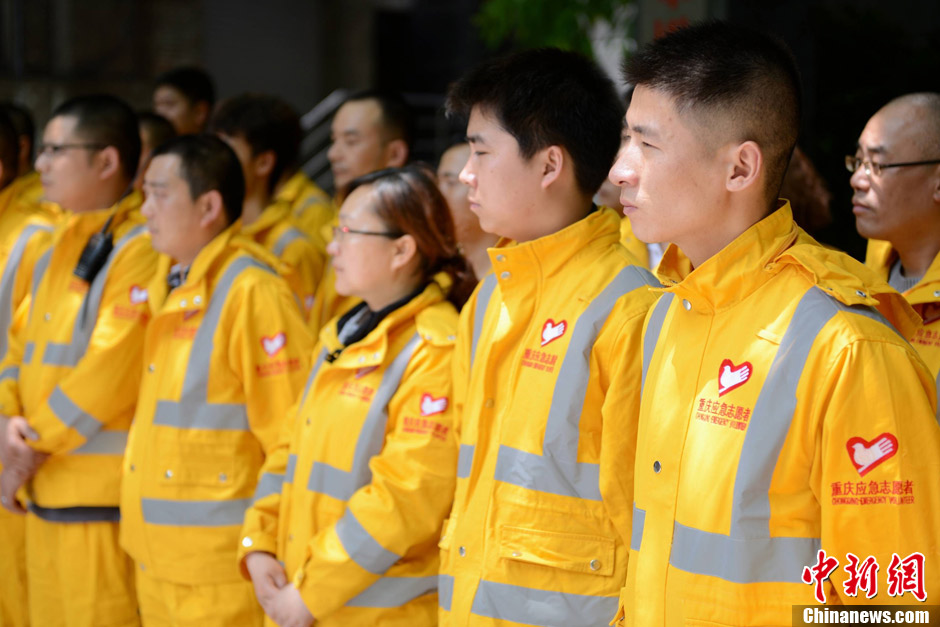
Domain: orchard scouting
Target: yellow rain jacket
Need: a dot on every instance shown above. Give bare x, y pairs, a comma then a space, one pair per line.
311, 208
546, 383
226, 354
353, 501
923, 297
303, 259
29, 189
77, 361
781, 414
633, 245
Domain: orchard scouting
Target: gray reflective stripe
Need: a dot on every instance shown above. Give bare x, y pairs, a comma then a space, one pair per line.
28, 351
312, 377
269, 484
748, 554
548, 474
742, 560
938, 397
10, 372
341, 484
547, 608
394, 591
285, 240
479, 312
653, 328
193, 410
639, 521
557, 470
465, 461
76, 514
69, 354
291, 467
8, 280
39, 270
362, 547
445, 591
71, 415
194, 513
104, 443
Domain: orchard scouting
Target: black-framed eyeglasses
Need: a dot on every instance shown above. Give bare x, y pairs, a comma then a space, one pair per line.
852, 164
339, 231
50, 150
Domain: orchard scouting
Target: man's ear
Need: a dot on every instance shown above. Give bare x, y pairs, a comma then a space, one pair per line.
109, 162
396, 153
263, 164
211, 209
746, 165
552, 162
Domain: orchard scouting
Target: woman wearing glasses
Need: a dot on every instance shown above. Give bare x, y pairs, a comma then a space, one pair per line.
353, 501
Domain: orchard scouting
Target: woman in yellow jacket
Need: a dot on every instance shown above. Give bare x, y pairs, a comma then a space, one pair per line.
353, 501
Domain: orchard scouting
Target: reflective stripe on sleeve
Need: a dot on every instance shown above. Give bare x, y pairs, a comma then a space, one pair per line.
547, 608
636, 534
8, 280
10, 372
104, 443
445, 591
28, 351
286, 239
194, 513
270, 483
71, 415
341, 484
361, 547
479, 312
653, 329
389, 592
291, 467
465, 461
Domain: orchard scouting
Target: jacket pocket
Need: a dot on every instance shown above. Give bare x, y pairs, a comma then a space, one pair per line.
592, 555
194, 463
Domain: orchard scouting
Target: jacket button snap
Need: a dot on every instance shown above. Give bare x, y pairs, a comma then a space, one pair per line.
168, 474
290, 537
132, 467
197, 300
516, 554
657, 466
246, 542
687, 305
151, 368
860, 293
505, 275
222, 476
47, 317
182, 303
595, 565
500, 257
488, 403
462, 550
937, 294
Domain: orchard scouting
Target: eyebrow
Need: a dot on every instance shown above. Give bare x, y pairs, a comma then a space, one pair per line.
878, 150
155, 184
643, 130
475, 139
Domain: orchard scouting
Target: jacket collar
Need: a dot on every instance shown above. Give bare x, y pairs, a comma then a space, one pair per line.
881, 255
89, 222
518, 266
273, 214
371, 350
735, 271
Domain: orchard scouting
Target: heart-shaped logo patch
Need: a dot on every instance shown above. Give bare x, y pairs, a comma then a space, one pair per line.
138, 295
552, 330
866, 456
272, 345
731, 376
431, 405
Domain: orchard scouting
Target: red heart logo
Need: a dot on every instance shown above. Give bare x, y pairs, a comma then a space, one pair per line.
272, 345
431, 405
866, 456
138, 295
731, 376
552, 330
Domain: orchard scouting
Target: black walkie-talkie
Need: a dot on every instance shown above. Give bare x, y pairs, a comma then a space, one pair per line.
95, 253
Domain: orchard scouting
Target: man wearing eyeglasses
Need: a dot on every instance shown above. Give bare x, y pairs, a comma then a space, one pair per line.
896, 202
70, 377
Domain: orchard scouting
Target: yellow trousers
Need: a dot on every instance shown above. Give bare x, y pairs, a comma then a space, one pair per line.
13, 609
78, 575
168, 604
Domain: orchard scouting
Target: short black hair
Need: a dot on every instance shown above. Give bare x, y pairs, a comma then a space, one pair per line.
397, 115
748, 77
265, 123
157, 127
194, 83
22, 120
207, 163
107, 121
9, 149
548, 97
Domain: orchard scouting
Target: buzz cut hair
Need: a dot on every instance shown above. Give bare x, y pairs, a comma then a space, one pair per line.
397, 115
745, 80
548, 97
106, 120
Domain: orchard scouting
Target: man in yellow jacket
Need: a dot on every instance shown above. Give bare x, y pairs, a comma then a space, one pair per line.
24, 232
896, 201
265, 134
71, 374
226, 353
539, 531
787, 451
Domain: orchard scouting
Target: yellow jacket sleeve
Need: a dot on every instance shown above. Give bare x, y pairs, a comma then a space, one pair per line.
103, 385
10, 404
269, 350
876, 391
403, 507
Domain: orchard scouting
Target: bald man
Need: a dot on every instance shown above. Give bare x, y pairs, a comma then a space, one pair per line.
896, 201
